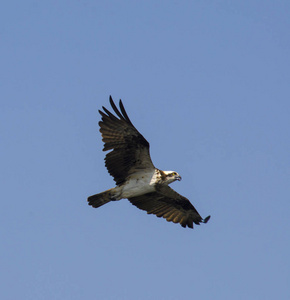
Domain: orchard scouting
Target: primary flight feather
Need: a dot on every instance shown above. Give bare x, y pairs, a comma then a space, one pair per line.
137, 179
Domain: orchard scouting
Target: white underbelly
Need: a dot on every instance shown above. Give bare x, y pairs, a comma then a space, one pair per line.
136, 187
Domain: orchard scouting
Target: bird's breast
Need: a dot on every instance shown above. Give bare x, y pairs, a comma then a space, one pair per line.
139, 184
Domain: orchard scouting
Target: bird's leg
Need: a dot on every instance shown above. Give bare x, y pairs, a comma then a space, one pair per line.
115, 193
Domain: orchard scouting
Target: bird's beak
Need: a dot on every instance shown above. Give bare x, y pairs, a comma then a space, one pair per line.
178, 178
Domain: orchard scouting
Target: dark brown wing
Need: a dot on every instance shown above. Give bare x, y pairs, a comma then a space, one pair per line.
170, 205
130, 150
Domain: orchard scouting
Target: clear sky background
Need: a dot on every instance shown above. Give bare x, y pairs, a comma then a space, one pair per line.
207, 84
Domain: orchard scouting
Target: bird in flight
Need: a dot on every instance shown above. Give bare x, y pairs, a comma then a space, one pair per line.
136, 178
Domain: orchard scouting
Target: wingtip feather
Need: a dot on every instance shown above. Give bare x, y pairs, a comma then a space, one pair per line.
206, 219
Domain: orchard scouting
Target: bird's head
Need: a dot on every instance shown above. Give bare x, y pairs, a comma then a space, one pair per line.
171, 176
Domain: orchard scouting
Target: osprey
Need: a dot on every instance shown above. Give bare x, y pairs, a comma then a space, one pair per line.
136, 177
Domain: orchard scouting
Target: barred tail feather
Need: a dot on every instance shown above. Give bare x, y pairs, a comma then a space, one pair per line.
100, 199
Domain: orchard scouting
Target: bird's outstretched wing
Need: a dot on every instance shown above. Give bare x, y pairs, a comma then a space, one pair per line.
167, 203
130, 150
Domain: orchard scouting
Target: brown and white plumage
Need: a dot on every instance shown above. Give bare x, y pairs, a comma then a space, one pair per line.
136, 177
167, 203
130, 150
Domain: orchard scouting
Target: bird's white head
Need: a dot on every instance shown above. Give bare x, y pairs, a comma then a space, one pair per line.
171, 176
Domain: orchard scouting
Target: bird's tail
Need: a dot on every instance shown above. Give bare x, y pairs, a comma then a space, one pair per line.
100, 199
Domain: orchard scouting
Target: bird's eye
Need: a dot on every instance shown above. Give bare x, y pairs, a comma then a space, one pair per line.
174, 173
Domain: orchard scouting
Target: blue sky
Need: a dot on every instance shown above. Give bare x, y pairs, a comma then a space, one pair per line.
207, 84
